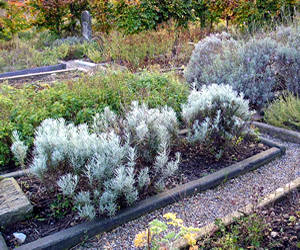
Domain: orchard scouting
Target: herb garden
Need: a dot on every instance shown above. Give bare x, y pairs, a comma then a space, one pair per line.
174, 115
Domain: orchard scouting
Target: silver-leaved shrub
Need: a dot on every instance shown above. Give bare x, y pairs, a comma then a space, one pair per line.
150, 132
19, 149
113, 161
216, 116
105, 155
205, 53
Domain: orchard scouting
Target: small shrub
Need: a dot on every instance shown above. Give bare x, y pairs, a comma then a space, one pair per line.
19, 149
216, 117
284, 112
109, 160
288, 35
286, 68
246, 232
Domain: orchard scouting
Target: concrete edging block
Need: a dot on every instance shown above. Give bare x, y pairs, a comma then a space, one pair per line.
3, 245
15, 174
74, 235
281, 133
43, 69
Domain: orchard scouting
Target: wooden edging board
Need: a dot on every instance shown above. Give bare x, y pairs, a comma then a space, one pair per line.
67, 238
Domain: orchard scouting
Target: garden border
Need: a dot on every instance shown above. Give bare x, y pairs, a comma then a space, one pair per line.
15, 174
37, 70
3, 245
72, 236
246, 210
12, 78
281, 133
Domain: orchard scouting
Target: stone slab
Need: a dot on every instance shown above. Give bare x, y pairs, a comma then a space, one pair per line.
14, 205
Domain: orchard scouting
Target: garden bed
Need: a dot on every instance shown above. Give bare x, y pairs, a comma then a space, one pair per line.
276, 226
44, 223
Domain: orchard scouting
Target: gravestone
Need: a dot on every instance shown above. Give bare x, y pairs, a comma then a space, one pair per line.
14, 205
86, 25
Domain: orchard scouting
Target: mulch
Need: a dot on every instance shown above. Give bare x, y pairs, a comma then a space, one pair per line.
196, 162
283, 223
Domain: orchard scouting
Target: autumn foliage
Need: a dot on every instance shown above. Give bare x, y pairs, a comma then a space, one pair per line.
13, 18
134, 16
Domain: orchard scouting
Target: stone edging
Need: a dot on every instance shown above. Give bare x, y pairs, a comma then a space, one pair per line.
281, 133
247, 210
44, 69
15, 174
3, 245
74, 235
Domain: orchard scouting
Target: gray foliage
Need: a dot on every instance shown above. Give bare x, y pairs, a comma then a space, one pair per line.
257, 68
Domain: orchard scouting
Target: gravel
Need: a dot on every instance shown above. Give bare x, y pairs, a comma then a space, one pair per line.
205, 207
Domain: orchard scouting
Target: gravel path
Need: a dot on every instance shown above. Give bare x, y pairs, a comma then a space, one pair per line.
205, 207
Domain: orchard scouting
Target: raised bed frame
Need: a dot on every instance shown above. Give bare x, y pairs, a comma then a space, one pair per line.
72, 236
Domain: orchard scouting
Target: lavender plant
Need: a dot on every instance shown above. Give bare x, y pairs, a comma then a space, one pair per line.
258, 67
68, 184
205, 53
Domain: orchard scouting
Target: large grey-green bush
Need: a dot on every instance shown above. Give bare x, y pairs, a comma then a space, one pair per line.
205, 53
258, 67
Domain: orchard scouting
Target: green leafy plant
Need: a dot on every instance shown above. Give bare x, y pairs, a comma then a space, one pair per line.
246, 232
160, 235
59, 16
284, 112
61, 206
